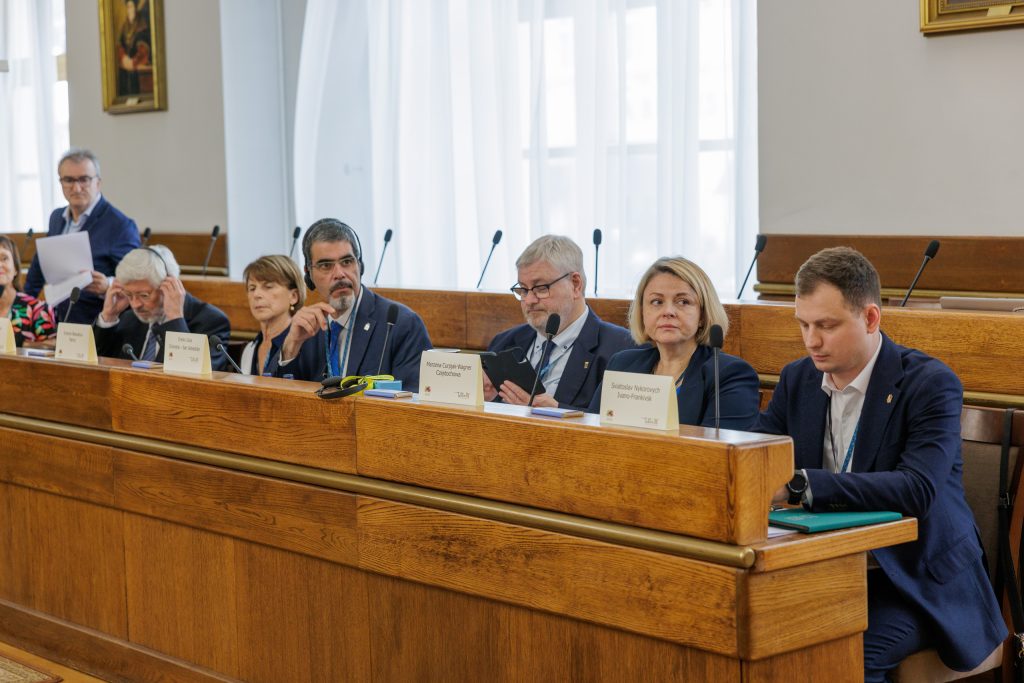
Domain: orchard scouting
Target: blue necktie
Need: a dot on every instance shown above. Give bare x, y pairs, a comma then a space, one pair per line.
333, 335
149, 352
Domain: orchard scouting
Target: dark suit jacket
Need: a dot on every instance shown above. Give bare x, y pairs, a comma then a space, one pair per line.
597, 343
907, 459
272, 358
111, 236
408, 340
200, 318
739, 387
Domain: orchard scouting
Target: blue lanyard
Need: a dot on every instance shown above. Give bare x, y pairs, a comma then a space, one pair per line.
543, 372
831, 438
332, 348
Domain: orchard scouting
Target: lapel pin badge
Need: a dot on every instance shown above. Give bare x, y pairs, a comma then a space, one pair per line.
586, 364
366, 328
888, 399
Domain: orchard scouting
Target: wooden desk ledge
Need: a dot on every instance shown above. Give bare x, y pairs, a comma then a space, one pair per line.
796, 549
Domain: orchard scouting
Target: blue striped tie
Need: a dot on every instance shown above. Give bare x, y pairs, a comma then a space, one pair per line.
149, 351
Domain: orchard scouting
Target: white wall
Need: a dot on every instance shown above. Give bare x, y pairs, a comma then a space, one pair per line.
866, 126
165, 169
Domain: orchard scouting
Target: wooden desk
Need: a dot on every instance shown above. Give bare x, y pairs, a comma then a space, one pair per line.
176, 528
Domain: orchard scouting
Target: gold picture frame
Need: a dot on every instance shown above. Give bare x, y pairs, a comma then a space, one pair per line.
132, 55
963, 15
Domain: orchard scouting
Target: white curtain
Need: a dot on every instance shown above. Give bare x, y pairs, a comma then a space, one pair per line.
447, 120
33, 112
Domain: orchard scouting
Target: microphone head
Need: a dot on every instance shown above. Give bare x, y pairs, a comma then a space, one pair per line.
387, 235
128, 350
392, 314
216, 231
932, 250
215, 340
295, 232
146, 233
497, 237
76, 293
554, 322
29, 234
761, 241
716, 337
597, 236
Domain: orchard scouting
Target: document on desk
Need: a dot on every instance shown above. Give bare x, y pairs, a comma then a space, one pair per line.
66, 262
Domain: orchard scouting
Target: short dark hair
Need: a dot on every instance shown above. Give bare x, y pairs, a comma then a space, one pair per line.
847, 270
329, 230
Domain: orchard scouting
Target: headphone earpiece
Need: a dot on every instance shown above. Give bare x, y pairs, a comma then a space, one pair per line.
340, 387
308, 279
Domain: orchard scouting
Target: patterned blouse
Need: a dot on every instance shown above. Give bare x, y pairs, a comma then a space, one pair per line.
31, 318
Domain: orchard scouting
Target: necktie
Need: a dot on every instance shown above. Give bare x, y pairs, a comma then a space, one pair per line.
149, 351
333, 335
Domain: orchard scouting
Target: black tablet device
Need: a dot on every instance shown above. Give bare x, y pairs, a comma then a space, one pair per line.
510, 364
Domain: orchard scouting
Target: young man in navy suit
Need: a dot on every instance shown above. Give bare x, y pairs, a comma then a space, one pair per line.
111, 233
876, 426
551, 280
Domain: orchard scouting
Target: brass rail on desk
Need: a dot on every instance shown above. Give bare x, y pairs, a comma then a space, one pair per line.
709, 551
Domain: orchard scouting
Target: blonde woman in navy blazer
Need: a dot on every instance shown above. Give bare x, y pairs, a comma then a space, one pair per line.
672, 312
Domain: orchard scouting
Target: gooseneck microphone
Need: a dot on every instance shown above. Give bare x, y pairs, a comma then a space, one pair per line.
145, 237
597, 247
28, 240
127, 350
929, 254
758, 248
387, 240
494, 243
391, 320
75, 294
295, 240
209, 252
550, 330
219, 345
715, 340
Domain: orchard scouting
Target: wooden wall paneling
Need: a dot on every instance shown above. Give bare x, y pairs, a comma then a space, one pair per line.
113, 659
628, 476
487, 314
837, 661
74, 393
300, 619
65, 558
614, 311
443, 312
278, 419
297, 517
684, 601
62, 466
227, 295
984, 264
181, 592
424, 633
190, 248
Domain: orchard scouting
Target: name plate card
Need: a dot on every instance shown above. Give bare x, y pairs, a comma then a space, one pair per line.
75, 342
451, 378
8, 347
187, 353
630, 399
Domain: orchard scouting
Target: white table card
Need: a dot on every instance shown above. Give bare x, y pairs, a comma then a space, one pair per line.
75, 342
7, 343
451, 378
630, 399
187, 353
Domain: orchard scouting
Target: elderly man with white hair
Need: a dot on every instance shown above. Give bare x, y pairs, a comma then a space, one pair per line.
145, 301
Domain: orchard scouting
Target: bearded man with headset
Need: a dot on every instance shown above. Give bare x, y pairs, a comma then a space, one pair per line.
344, 333
145, 301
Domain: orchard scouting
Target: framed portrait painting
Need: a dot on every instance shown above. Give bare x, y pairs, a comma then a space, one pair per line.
132, 55
962, 15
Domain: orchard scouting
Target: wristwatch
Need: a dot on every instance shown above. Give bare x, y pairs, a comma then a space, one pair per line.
796, 487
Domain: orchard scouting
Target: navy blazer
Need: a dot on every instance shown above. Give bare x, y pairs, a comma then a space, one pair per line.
408, 340
907, 459
199, 318
597, 343
274, 355
111, 236
739, 387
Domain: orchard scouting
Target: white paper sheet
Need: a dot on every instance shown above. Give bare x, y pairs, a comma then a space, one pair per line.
64, 256
60, 292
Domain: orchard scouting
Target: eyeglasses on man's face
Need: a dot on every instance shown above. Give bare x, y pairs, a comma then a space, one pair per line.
83, 180
539, 291
326, 266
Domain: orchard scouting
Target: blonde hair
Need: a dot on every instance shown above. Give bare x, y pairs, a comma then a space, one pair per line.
277, 268
711, 310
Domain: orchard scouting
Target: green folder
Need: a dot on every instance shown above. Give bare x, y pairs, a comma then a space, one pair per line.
811, 522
